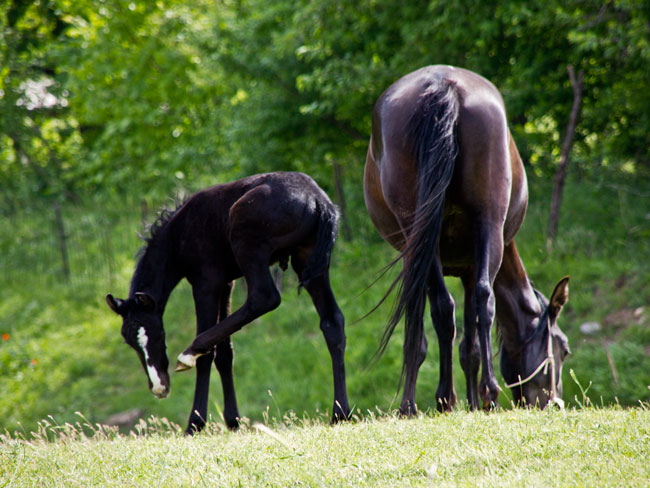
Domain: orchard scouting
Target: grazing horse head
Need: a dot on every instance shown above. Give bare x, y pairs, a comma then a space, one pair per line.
142, 329
536, 379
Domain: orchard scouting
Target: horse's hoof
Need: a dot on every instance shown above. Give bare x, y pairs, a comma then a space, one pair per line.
185, 362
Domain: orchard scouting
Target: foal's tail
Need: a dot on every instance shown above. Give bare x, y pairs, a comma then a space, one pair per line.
432, 131
327, 230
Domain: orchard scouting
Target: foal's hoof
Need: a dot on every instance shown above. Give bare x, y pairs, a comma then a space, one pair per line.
408, 410
185, 362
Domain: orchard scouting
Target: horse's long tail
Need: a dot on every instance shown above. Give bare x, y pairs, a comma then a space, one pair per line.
319, 259
432, 130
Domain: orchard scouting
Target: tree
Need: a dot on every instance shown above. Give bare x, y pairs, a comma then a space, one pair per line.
37, 133
151, 96
560, 175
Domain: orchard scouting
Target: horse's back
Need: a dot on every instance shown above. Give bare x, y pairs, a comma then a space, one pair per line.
488, 181
481, 113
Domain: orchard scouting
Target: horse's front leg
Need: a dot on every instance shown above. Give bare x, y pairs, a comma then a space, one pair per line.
199, 411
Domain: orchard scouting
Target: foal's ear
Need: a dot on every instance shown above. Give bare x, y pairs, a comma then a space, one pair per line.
115, 304
145, 300
559, 297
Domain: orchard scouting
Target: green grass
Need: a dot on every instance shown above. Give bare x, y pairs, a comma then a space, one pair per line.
64, 351
585, 447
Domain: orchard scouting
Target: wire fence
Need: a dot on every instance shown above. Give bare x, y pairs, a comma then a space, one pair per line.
67, 246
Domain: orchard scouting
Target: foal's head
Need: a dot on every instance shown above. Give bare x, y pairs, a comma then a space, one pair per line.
536, 379
142, 329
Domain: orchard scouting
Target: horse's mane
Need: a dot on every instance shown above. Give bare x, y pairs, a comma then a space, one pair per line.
543, 301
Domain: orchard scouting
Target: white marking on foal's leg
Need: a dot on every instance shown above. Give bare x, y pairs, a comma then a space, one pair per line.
186, 361
157, 388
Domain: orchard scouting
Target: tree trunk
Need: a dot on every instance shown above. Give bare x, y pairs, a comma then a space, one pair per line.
340, 196
63, 247
560, 175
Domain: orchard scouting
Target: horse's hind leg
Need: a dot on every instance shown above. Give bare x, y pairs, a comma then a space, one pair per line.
407, 407
470, 358
442, 314
332, 324
489, 253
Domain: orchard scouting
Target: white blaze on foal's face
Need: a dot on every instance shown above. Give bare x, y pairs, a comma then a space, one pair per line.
157, 387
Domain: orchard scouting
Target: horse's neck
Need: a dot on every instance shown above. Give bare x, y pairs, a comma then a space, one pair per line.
517, 306
156, 274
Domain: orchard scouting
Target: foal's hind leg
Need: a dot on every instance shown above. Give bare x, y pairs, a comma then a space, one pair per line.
442, 314
332, 324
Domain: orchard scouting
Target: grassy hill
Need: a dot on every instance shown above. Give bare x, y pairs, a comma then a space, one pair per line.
584, 447
61, 350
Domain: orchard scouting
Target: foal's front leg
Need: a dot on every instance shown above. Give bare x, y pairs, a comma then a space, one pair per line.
223, 360
206, 303
263, 297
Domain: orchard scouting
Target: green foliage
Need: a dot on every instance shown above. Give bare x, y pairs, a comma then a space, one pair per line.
153, 96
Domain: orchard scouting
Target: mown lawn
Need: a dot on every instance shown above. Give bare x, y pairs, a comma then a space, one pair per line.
577, 447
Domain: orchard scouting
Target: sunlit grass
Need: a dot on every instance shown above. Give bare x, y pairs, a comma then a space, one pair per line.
584, 447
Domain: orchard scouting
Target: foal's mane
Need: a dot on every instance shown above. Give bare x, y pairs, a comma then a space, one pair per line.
153, 231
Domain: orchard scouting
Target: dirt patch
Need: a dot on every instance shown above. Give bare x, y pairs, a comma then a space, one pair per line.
625, 317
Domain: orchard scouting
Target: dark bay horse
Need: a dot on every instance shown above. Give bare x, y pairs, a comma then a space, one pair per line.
218, 235
444, 185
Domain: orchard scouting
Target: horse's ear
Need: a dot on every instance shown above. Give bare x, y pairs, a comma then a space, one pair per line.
115, 304
559, 297
145, 300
